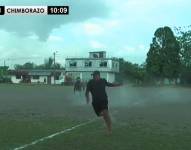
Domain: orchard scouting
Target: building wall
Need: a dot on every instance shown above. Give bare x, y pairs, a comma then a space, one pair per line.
112, 65
111, 77
86, 76
84, 72
38, 76
103, 75
61, 79
101, 54
14, 80
40, 80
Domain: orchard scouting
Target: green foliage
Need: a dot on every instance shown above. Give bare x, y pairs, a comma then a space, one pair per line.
163, 59
27, 65
184, 38
3, 70
3, 75
132, 72
48, 64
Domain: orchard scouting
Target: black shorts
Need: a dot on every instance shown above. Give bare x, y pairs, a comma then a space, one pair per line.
99, 106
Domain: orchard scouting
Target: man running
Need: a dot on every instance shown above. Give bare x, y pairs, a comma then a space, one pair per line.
96, 87
78, 85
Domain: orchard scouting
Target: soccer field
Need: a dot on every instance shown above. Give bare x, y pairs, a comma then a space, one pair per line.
41, 117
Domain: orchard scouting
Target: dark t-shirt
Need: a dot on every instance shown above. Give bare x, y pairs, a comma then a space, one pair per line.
97, 89
77, 86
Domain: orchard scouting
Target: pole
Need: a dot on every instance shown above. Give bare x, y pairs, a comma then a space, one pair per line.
54, 66
54, 58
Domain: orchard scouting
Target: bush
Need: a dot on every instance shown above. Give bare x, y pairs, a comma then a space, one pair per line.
5, 80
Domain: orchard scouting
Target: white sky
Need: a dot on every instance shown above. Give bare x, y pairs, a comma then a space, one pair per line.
123, 28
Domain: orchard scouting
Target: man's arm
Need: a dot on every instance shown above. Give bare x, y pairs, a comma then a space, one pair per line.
113, 84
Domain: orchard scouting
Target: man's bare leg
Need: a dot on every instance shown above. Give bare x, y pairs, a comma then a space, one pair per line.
107, 120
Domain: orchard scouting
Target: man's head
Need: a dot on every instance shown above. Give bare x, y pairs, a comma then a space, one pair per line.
96, 75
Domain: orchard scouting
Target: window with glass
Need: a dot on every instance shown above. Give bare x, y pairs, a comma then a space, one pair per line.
36, 77
88, 64
103, 64
18, 76
73, 63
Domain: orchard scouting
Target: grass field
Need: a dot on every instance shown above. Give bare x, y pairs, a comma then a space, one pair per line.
144, 118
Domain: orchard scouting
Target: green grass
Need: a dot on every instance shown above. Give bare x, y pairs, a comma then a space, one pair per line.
125, 137
28, 113
129, 135
15, 133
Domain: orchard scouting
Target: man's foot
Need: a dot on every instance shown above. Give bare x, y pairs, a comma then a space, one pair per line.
109, 132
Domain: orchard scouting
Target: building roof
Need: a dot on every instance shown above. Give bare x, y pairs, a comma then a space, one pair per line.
33, 72
91, 58
40, 73
98, 52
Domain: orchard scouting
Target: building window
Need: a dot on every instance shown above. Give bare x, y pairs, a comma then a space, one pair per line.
88, 64
103, 64
56, 77
101, 55
95, 55
18, 76
73, 64
36, 77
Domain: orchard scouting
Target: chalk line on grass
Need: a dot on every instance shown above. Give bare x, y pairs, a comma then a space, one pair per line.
53, 135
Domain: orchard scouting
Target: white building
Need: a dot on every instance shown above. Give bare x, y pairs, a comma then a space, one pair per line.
83, 67
37, 76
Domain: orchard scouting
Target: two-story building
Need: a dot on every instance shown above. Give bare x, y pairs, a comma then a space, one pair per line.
83, 67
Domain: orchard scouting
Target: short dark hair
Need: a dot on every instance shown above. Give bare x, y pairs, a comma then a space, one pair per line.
95, 73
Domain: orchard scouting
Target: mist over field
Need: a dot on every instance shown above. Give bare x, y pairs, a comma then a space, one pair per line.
60, 101
128, 96
139, 115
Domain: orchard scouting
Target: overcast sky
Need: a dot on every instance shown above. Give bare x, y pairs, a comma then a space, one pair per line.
122, 28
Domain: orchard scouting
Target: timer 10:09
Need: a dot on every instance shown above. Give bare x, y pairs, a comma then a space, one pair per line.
58, 10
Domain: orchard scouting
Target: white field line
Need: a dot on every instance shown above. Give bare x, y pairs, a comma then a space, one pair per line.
53, 135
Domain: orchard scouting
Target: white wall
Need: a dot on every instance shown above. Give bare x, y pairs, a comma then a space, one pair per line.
61, 79
40, 80
111, 77
52, 80
112, 65
14, 80
85, 76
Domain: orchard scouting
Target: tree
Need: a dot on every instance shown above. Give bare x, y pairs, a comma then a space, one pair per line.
27, 65
131, 72
3, 75
48, 63
154, 62
163, 59
184, 38
3, 70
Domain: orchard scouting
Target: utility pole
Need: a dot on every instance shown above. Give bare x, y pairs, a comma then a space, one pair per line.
54, 59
